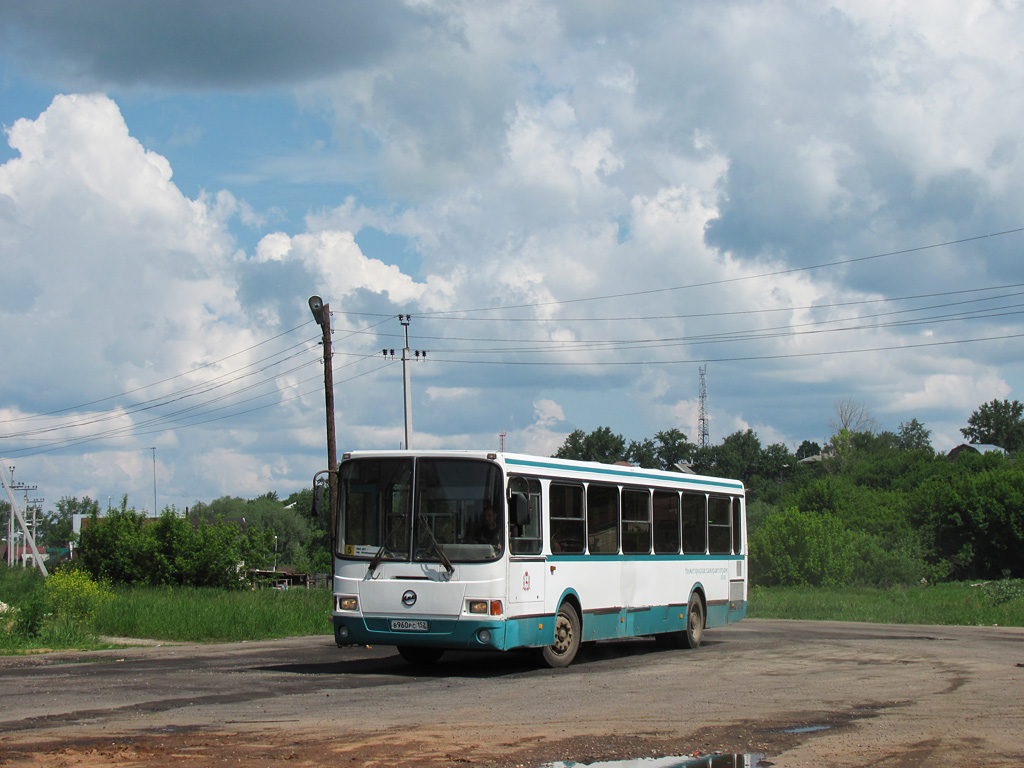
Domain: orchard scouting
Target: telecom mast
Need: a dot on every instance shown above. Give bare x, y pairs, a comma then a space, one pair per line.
703, 433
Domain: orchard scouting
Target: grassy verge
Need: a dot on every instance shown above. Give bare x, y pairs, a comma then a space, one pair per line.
211, 615
41, 617
994, 603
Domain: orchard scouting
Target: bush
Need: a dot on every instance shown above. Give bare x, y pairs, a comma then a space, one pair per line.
23, 591
796, 548
74, 596
126, 548
882, 561
1005, 591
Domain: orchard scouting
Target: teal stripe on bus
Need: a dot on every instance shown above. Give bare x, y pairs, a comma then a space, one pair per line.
610, 470
582, 558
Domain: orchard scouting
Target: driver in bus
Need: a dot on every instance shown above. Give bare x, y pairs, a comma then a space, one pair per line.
488, 531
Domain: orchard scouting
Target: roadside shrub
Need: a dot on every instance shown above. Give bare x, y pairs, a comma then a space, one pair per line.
127, 548
23, 591
881, 561
74, 596
1005, 591
796, 548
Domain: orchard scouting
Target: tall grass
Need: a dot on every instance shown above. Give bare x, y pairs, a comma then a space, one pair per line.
215, 615
994, 603
65, 615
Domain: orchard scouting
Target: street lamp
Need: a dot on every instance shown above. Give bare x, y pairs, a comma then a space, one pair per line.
322, 315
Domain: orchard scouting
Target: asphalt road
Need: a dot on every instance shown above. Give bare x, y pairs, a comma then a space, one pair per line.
800, 693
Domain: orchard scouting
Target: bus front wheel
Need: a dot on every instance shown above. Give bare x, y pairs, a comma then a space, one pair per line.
567, 638
419, 655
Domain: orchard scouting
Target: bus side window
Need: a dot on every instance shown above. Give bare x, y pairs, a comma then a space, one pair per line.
695, 524
636, 522
666, 523
568, 531
737, 532
525, 539
602, 519
719, 528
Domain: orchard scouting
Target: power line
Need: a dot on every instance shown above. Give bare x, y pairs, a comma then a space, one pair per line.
543, 345
605, 363
157, 383
722, 281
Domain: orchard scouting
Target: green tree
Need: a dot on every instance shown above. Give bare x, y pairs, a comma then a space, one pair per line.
974, 517
56, 528
572, 448
807, 449
127, 548
643, 453
914, 437
739, 456
318, 545
673, 448
601, 445
114, 548
291, 528
998, 422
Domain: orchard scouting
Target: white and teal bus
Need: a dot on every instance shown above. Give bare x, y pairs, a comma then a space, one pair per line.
441, 550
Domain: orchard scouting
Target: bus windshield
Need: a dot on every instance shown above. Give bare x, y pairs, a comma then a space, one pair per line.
424, 510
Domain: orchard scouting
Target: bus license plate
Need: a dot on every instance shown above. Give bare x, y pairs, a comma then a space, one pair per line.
410, 625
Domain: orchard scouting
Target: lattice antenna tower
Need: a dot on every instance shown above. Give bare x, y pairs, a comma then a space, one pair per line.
703, 433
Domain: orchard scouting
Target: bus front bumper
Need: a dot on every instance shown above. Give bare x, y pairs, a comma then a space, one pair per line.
430, 632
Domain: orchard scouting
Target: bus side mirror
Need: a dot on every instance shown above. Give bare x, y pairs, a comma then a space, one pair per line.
321, 487
520, 509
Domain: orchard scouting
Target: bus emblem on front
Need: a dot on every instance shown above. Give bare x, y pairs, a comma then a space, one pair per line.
409, 598
526, 581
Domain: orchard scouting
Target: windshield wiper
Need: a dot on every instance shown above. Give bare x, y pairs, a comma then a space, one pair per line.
384, 549
436, 546
375, 560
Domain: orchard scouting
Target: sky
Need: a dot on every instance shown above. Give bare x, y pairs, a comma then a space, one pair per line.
580, 205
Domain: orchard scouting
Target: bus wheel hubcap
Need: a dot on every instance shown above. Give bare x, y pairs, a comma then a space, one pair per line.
563, 634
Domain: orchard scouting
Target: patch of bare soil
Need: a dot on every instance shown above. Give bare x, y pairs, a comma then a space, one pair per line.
405, 748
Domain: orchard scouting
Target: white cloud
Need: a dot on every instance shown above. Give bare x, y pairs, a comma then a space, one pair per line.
950, 391
548, 412
686, 161
448, 393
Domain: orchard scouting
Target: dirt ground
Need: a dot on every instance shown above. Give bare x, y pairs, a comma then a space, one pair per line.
798, 693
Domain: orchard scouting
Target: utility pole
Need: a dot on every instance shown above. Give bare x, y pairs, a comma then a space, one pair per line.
406, 383
407, 357
16, 511
322, 315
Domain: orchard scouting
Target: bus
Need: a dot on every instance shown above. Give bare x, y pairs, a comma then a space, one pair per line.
440, 550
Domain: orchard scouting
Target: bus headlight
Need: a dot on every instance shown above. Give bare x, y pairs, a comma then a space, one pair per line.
485, 607
346, 603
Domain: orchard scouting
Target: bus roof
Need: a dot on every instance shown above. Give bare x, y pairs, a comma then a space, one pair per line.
568, 468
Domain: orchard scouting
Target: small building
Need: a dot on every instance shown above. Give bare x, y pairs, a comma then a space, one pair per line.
981, 448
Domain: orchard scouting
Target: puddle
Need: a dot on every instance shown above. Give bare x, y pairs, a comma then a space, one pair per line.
807, 729
677, 761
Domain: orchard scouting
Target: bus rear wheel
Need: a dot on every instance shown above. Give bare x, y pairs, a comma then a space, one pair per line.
694, 632
694, 623
420, 656
567, 638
